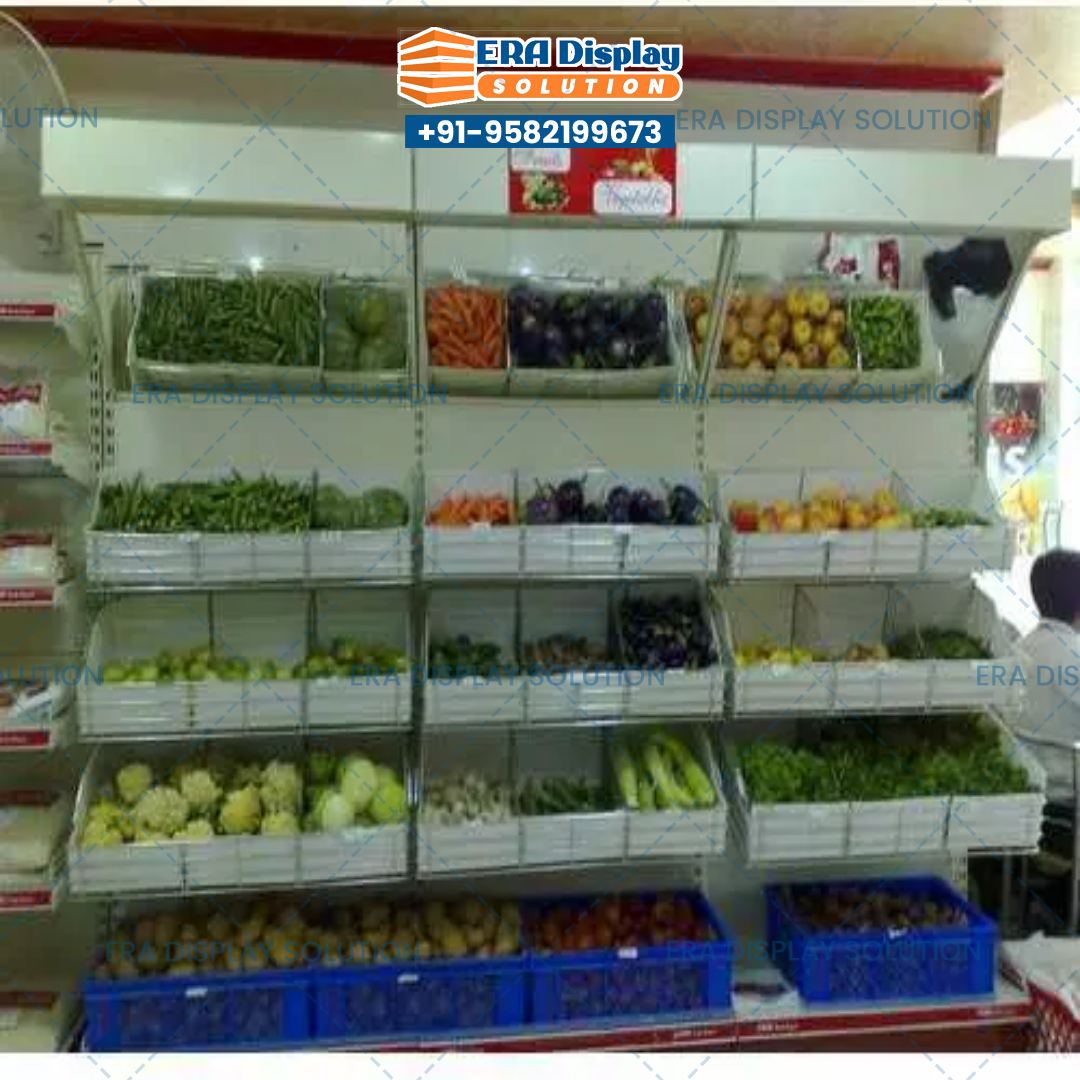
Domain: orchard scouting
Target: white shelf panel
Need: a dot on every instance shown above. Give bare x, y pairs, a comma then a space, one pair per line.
910, 192
172, 163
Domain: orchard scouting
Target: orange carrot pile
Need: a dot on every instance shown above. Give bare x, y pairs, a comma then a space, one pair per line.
471, 508
466, 327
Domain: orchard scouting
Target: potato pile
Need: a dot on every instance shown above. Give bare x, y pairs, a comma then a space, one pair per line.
801, 329
265, 935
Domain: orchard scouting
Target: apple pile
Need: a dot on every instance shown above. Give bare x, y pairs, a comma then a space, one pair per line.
804, 328
615, 923
828, 509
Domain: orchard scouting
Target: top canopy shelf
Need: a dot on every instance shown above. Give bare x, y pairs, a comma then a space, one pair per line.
142, 165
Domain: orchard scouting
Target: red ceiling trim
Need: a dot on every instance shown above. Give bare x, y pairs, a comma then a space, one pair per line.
157, 36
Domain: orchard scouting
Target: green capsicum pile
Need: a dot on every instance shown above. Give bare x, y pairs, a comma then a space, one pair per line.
265, 319
886, 332
262, 505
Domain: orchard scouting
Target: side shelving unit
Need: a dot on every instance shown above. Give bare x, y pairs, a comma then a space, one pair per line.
573, 575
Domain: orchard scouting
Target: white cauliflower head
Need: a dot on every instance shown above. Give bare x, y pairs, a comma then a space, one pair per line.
161, 810
201, 790
282, 787
100, 833
133, 781
280, 823
241, 811
196, 829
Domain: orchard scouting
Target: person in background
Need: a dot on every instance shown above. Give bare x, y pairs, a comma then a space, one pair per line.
1050, 656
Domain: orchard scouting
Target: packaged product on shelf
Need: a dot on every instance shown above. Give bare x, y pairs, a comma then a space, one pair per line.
34, 1021
27, 557
31, 826
867, 259
24, 418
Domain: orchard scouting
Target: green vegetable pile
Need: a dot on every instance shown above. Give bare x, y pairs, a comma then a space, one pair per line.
658, 772
193, 665
900, 759
366, 327
561, 795
213, 795
216, 506
344, 658
349, 657
943, 517
461, 657
264, 319
263, 505
936, 644
886, 331
376, 508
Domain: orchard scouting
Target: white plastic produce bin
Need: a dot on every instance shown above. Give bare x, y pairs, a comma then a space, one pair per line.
472, 698
674, 692
357, 854
115, 558
991, 822
108, 871
443, 849
959, 552
135, 628
480, 550
768, 555
571, 694
364, 700
549, 839
898, 826
663, 834
466, 845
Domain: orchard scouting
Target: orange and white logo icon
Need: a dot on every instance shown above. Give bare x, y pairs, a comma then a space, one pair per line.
437, 67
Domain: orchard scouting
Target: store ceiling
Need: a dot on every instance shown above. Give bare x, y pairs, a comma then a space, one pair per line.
1036, 47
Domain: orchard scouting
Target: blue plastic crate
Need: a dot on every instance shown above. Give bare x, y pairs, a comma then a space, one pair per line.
599, 984
891, 965
431, 996
204, 1012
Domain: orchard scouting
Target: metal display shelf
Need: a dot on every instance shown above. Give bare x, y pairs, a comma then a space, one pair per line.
751, 1026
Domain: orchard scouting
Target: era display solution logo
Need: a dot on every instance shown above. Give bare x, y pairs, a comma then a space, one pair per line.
441, 67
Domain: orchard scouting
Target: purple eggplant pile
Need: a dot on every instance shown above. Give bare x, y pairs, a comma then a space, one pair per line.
566, 503
668, 633
578, 330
